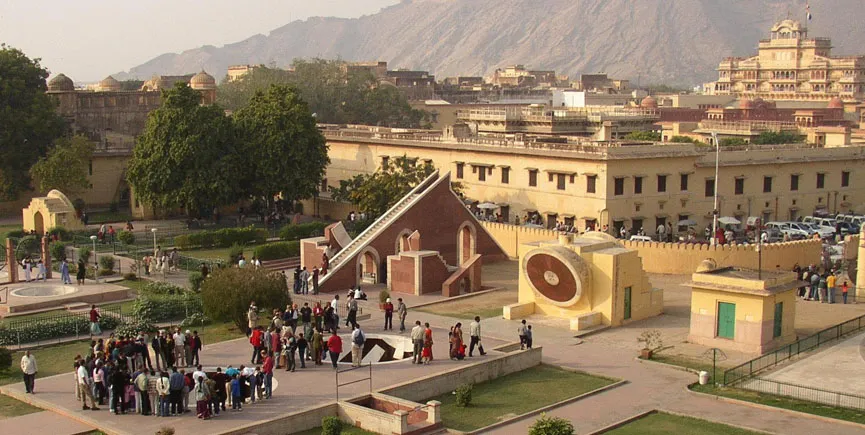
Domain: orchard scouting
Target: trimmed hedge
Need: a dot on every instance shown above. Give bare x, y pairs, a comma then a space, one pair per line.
50, 328
127, 237
163, 308
61, 233
302, 231
277, 250
222, 238
58, 251
160, 288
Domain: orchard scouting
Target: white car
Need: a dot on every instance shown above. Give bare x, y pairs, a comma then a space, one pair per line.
824, 231
795, 233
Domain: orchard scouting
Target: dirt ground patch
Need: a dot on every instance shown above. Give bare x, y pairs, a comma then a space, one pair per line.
488, 305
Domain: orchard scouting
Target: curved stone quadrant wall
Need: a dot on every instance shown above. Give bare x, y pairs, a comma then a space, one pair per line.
677, 258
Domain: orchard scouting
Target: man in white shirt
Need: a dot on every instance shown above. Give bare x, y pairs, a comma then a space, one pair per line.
475, 331
84, 387
198, 373
179, 351
28, 367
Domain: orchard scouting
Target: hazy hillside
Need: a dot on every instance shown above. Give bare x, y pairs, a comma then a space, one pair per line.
676, 42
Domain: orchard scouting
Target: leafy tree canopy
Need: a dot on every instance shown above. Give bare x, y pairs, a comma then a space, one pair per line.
643, 135
187, 155
336, 94
377, 192
227, 293
28, 120
684, 139
65, 167
731, 141
283, 150
775, 138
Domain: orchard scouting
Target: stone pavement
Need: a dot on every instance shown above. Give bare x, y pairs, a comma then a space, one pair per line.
838, 368
45, 422
303, 389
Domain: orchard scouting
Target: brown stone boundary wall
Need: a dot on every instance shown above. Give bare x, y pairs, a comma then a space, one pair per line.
677, 258
422, 389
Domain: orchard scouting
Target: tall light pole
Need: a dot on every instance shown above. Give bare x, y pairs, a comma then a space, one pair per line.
715, 211
154, 240
93, 239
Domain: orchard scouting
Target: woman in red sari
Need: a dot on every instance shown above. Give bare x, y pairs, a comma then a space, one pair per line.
426, 354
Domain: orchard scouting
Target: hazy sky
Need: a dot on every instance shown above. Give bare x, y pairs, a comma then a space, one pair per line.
90, 39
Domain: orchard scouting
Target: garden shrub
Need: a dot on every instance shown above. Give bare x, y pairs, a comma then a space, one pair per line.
16, 234
182, 242
51, 328
161, 288
331, 426
27, 246
195, 279
84, 252
464, 395
58, 251
226, 293
129, 276
166, 307
61, 233
222, 238
133, 326
382, 297
127, 237
195, 319
551, 426
277, 250
302, 231
105, 272
106, 262
5, 359
234, 254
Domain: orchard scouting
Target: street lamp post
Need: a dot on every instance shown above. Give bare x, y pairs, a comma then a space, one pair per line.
715, 211
154, 240
93, 239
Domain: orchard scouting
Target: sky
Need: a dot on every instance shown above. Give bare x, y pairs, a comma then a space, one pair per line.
89, 39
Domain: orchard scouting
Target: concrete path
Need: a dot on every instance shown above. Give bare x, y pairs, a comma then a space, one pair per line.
45, 423
838, 368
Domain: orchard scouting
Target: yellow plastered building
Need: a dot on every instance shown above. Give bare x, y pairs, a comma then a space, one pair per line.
741, 309
592, 281
50, 211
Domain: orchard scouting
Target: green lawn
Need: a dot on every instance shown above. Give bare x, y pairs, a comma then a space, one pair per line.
346, 430
216, 253
134, 285
108, 217
10, 407
485, 313
691, 363
5, 229
516, 394
660, 423
52, 360
805, 406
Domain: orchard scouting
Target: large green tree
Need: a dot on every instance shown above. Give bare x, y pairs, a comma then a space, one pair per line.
377, 192
284, 151
336, 94
187, 156
65, 167
29, 122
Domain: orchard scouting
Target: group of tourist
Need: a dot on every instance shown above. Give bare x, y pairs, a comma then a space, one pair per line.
161, 261
820, 286
30, 265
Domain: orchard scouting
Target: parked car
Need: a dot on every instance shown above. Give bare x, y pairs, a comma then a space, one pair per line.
848, 228
786, 228
823, 222
640, 239
825, 232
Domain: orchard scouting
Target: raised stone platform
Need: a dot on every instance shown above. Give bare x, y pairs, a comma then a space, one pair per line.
51, 294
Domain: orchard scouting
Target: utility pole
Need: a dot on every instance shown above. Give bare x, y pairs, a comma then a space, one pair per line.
715, 207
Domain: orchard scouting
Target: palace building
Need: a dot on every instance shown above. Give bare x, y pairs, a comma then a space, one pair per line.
791, 66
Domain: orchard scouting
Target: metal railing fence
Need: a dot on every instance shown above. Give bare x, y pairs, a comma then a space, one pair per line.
801, 392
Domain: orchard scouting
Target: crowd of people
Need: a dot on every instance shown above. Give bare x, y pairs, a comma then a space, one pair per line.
821, 286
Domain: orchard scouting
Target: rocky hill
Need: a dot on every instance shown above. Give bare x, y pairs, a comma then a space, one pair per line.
651, 41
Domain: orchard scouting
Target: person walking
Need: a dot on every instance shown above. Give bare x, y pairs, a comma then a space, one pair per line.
41, 272
94, 321
296, 276
844, 290
388, 315
85, 386
82, 271
475, 337
302, 349
255, 339
290, 351
267, 370
28, 268
29, 369
64, 272
195, 347
521, 331
315, 273
457, 346
529, 337
334, 305
317, 345
417, 335
426, 353
351, 318
334, 347
402, 311
831, 280
821, 284
251, 317
304, 281
357, 341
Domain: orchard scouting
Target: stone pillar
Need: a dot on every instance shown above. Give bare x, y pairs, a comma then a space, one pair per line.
860, 265
11, 264
434, 412
46, 256
403, 421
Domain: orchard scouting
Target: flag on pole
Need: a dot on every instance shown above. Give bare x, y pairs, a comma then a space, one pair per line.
808, 11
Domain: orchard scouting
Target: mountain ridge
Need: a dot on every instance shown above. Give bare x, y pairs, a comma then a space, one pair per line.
650, 41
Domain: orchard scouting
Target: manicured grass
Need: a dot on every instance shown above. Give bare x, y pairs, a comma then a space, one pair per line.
485, 313
52, 360
660, 423
805, 406
10, 407
34, 316
133, 284
217, 253
6, 228
346, 430
516, 394
691, 363
108, 217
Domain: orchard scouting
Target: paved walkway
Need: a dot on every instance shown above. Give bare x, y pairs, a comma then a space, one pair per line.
838, 368
45, 423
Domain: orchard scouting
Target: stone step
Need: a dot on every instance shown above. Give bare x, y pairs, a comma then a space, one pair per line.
77, 306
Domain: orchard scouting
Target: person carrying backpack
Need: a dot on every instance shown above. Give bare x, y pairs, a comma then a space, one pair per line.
357, 341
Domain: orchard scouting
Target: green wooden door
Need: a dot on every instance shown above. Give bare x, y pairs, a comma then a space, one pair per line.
779, 316
627, 303
726, 320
